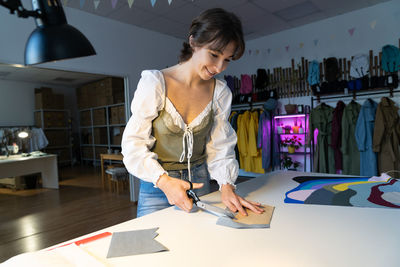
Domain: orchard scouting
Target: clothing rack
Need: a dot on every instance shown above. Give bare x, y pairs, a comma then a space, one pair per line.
18, 126
247, 106
354, 96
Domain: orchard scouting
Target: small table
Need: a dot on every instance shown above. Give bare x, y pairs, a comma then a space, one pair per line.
109, 157
18, 165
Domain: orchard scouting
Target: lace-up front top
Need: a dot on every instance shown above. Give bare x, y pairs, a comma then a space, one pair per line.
156, 138
178, 148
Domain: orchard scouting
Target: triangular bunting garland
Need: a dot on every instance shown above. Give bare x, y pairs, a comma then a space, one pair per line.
287, 48
82, 3
372, 24
114, 3
96, 4
269, 50
301, 45
169, 2
316, 42
153, 2
351, 31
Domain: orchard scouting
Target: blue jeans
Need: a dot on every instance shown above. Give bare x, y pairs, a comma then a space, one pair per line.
152, 199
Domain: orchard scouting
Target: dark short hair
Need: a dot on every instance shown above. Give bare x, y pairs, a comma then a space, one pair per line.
218, 28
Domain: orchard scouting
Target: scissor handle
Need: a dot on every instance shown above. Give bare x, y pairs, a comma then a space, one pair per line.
192, 194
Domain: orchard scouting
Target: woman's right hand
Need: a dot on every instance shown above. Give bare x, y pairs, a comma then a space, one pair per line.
175, 190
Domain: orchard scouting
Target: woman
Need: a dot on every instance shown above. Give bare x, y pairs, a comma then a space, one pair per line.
178, 130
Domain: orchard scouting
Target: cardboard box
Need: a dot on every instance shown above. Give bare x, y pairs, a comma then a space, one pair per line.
117, 135
85, 119
99, 116
87, 152
43, 101
57, 137
58, 101
50, 119
86, 136
100, 150
102, 100
114, 115
100, 136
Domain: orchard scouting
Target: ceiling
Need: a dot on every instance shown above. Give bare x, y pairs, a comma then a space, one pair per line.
259, 18
37, 75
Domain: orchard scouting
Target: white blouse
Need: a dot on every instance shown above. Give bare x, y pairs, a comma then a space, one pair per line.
137, 140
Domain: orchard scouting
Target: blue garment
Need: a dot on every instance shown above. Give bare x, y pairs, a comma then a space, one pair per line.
264, 138
152, 199
364, 135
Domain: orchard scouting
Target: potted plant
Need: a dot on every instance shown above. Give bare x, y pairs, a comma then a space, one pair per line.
287, 129
292, 143
287, 163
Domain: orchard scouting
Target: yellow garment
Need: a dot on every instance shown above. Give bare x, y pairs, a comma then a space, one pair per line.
255, 153
231, 116
345, 186
242, 135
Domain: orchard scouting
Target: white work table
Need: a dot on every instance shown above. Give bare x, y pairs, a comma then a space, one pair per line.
17, 165
300, 235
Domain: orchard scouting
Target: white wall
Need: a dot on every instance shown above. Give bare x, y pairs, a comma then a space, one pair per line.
17, 101
122, 50
333, 40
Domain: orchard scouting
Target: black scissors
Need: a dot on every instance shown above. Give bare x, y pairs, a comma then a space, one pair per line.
207, 207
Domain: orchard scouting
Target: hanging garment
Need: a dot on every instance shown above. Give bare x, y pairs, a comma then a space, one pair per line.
364, 134
243, 140
337, 134
233, 122
321, 119
254, 151
38, 140
387, 136
264, 138
351, 155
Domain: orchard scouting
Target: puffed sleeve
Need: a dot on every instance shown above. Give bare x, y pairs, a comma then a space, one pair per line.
137, 139
222, 164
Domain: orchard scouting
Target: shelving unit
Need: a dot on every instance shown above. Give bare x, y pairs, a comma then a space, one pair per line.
101, 129
56, 125
291, 120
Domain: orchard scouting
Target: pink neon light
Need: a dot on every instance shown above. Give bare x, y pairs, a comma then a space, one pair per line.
290, 116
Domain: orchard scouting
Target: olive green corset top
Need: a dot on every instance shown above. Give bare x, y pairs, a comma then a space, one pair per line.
173, 143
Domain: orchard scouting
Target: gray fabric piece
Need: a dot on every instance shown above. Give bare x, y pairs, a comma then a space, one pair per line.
226, 221
392, 197
343, 198
320, 197
134, 243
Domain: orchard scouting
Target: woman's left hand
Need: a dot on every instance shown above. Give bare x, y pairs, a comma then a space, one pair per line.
236, 203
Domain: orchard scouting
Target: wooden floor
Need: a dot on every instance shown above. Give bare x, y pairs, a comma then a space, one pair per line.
38, 218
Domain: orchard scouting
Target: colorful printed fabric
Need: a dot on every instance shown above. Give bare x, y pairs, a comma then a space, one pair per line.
372, 192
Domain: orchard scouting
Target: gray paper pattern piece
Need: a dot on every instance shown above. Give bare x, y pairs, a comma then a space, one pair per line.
253, 220
134, 243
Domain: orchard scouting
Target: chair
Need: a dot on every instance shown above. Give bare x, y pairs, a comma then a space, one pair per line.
116, 177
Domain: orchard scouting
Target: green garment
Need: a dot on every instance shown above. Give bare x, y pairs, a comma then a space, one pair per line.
351, 155
321, 119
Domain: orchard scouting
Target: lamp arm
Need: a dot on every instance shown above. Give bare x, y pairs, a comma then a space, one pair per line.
16, 5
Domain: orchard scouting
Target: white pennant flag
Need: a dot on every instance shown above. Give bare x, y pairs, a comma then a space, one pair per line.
169, 2
130, 3
153, 2
96, 3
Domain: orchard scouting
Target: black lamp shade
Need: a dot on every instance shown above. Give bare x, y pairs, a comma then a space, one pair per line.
56, 42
